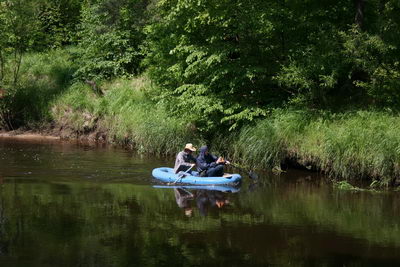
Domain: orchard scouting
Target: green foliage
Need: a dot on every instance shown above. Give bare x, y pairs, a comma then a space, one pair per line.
17, 32
110, 39
226, 63
377, 64
58, 23
346, 66
43, 77
214, 59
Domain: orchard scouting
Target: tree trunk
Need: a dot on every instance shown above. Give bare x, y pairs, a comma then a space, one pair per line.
359, 18
1, 66
18, 60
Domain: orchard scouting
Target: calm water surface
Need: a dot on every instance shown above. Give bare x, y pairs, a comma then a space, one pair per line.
64, 204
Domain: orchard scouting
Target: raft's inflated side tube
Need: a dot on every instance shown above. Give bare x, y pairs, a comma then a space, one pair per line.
167, 175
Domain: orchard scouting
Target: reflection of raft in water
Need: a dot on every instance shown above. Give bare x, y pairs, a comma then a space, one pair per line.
221, 188
167, 175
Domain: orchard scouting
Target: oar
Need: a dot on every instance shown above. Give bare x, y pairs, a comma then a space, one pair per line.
251, 174
180, 175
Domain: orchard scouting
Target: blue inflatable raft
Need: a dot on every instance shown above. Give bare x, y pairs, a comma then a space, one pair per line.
167, 175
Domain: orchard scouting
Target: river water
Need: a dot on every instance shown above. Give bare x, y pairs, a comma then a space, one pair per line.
66, 204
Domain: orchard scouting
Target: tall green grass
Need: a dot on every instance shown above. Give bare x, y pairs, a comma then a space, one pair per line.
363, 144
126, 114
43, 76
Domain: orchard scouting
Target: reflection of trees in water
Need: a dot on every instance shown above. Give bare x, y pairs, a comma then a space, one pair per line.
3, 241
205, 199
75, 226
129, 225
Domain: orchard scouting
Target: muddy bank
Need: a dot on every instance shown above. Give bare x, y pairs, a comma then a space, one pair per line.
28, 136
55, 133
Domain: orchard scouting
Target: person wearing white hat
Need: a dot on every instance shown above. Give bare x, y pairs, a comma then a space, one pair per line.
185, 159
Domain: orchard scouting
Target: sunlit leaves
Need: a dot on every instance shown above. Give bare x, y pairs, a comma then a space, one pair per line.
111, 38
215, 57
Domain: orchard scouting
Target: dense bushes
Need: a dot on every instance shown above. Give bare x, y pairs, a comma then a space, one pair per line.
229, 62
111, 35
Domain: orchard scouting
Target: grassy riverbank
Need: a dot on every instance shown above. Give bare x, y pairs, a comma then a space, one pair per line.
124, 114
350, 145
120, 111
353, 145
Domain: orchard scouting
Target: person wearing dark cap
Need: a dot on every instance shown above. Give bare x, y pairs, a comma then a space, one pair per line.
209, 165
